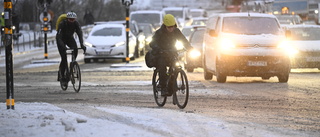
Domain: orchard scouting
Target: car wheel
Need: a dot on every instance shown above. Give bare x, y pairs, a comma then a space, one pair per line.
284, 76
86, 60
221, 77
190, 69
143, 52
207, 75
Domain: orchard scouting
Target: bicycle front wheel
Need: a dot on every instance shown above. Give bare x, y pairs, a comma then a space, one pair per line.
76, 76
181, 94
160, 100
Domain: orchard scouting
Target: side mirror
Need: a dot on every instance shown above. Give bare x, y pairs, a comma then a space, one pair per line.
288, 33
212, 33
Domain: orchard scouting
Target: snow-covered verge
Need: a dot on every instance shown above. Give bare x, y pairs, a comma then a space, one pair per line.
43, 119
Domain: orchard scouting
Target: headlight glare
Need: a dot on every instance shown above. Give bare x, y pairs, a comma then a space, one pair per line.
194, 53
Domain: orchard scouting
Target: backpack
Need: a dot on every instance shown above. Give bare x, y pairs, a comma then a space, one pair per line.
61, 18
150, 59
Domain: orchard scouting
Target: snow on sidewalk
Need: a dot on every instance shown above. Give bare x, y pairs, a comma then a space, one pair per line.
43, 119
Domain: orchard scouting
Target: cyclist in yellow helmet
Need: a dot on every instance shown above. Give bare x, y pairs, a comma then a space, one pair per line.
165, 39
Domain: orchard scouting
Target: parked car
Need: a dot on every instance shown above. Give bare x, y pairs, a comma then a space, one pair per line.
182, 14
152, 17
193, 58
245, 45
148, 31
108, 41
305, 42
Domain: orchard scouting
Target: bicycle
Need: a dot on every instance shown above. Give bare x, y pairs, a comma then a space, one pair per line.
73, 74
176, 84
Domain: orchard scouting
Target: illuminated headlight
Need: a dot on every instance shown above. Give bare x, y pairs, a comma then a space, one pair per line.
119, 44
288, 49
194, 53
149, 39
227, 44
88, 44
177, 64
141, 38
13, 27
179, 45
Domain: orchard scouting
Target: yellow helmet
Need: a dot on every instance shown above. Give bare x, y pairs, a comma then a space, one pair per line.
169, 20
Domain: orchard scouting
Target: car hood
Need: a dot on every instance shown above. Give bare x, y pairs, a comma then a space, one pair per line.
262, 40
104, 41
305, 45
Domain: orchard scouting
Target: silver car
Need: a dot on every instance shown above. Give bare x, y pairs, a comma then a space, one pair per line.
108, 41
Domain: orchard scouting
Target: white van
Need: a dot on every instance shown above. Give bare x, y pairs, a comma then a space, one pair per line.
182, 14
152, 17
245, 45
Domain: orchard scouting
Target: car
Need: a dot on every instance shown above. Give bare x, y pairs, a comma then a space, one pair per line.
148, 31
245, 45
288, 19
134, 29
108, 41
152, 17
193, 58
198, 13
187, 30
182, 14
305, 41
199, 21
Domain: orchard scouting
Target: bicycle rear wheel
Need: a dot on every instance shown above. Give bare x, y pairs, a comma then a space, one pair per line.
181, 94
76, 76
160, 100
63, 84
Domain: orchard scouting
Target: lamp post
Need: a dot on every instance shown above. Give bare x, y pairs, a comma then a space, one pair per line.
127, 3
8, 47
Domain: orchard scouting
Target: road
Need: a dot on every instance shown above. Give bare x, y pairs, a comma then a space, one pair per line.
247, 104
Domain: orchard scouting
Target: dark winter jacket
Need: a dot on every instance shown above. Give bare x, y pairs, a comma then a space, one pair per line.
164, 40
66, 30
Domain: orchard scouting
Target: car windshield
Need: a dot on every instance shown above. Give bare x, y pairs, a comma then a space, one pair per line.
187, 31
146, 18
250, 25
175, 13
146, 29
305, 33
108, 32
196, 13
197, 36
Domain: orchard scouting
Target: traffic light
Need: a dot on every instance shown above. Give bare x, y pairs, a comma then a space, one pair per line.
45, 19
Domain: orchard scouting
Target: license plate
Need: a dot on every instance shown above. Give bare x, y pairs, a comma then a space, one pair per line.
257, 63
313, 59
103, 52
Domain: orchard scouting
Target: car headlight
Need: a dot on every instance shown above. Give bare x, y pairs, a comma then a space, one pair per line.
88, 44
141, 38
119, 44
179, 45
227, 44
149, 39
194, 53
291, 51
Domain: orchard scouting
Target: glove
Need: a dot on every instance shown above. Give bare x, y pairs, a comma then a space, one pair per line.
84, 48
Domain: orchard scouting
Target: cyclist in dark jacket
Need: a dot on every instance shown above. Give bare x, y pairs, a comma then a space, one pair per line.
165, 39
65, 37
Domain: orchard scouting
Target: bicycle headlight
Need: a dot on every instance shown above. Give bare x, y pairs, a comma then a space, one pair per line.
179, 45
